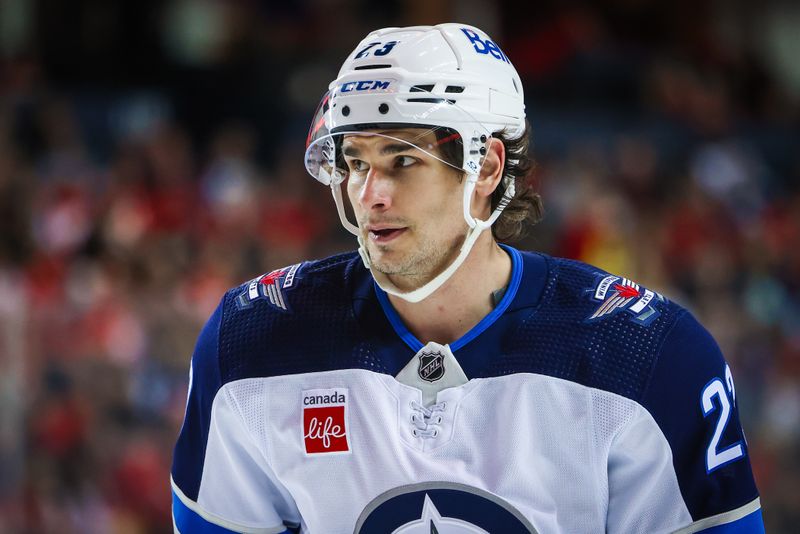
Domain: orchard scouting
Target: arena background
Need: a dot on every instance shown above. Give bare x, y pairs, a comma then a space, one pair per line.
151, 157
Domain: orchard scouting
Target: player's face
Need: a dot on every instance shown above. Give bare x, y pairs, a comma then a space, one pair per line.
408, 203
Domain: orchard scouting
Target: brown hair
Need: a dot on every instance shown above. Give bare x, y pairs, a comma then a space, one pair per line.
525, 209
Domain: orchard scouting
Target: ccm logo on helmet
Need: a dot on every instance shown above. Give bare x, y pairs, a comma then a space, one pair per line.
485, 46
365, 85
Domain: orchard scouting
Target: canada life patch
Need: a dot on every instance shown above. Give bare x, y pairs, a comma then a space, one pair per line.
271, 287
615, 294
325, 421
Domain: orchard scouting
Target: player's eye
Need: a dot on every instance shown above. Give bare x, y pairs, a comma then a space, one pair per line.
404, 161
357, 165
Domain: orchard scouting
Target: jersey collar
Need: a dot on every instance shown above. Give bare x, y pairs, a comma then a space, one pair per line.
415, 344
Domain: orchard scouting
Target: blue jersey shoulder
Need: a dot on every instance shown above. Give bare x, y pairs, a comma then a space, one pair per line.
692, 396
591, 327
204, 383
297, 319
608, 332
274, 289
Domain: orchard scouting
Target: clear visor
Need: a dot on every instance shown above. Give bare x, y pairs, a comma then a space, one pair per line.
332, 150
333, 158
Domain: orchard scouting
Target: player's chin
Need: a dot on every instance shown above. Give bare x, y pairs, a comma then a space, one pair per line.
385, 259
382, 255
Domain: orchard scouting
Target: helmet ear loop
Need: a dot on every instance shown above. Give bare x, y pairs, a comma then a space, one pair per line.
471, 182
473, 164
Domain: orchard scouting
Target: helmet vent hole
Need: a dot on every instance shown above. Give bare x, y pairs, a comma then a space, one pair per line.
515, 85
422, 88
454, 89
372, 67
383, 108
346, 111
431, 100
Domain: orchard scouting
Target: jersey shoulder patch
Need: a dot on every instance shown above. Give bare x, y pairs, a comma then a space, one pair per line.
270, 287
273, 287
616, 294
266, 321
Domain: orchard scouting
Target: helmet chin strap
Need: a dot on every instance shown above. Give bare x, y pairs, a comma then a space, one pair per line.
476, 227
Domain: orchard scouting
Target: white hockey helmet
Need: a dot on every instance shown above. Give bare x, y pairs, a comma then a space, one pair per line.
451, 79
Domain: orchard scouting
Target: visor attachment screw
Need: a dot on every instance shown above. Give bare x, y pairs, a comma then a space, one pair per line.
483, 139
483, 151
383, 108
346, 111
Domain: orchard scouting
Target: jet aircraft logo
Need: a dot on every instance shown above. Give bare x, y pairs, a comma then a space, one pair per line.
271, 286
616, 294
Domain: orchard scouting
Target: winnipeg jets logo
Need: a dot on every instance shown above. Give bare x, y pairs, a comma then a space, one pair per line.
431, 366
271, 286
431, 522
441, 508
615, 294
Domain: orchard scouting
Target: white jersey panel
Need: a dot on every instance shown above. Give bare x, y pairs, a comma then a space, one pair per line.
566, 457
644, 496
234, 487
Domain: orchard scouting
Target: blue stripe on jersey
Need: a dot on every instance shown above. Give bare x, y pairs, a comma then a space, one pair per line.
750, 524
415, 344
397, 323
505, 302
188, 521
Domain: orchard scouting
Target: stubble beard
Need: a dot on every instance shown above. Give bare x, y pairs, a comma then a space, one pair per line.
421, 264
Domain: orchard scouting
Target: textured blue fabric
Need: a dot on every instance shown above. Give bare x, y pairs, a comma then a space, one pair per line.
335, 299
555, 339
263, 341
689, 358
190, 449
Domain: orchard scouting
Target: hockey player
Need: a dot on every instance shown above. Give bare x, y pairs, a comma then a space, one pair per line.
438, 381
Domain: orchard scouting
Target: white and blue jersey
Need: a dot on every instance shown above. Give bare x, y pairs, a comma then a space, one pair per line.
582, 403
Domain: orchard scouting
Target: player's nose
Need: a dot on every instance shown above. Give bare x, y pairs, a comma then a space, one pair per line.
376, 192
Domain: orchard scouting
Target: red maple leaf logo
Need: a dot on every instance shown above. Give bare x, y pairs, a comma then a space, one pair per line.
626, 291
271, 277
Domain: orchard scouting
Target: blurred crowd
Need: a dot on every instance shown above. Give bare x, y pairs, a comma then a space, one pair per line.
151, 158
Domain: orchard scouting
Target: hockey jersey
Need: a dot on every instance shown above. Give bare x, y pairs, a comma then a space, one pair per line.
582, 403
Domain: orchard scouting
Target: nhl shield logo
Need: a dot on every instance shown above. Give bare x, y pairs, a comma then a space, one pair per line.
431, 366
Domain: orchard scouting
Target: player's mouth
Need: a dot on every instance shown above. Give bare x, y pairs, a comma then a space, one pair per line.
383, 235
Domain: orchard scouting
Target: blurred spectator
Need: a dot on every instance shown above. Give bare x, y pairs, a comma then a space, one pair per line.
151, 158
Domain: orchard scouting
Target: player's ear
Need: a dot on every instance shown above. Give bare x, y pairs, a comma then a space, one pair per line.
492, 169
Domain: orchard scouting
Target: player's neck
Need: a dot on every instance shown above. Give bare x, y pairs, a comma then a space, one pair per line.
466, 298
